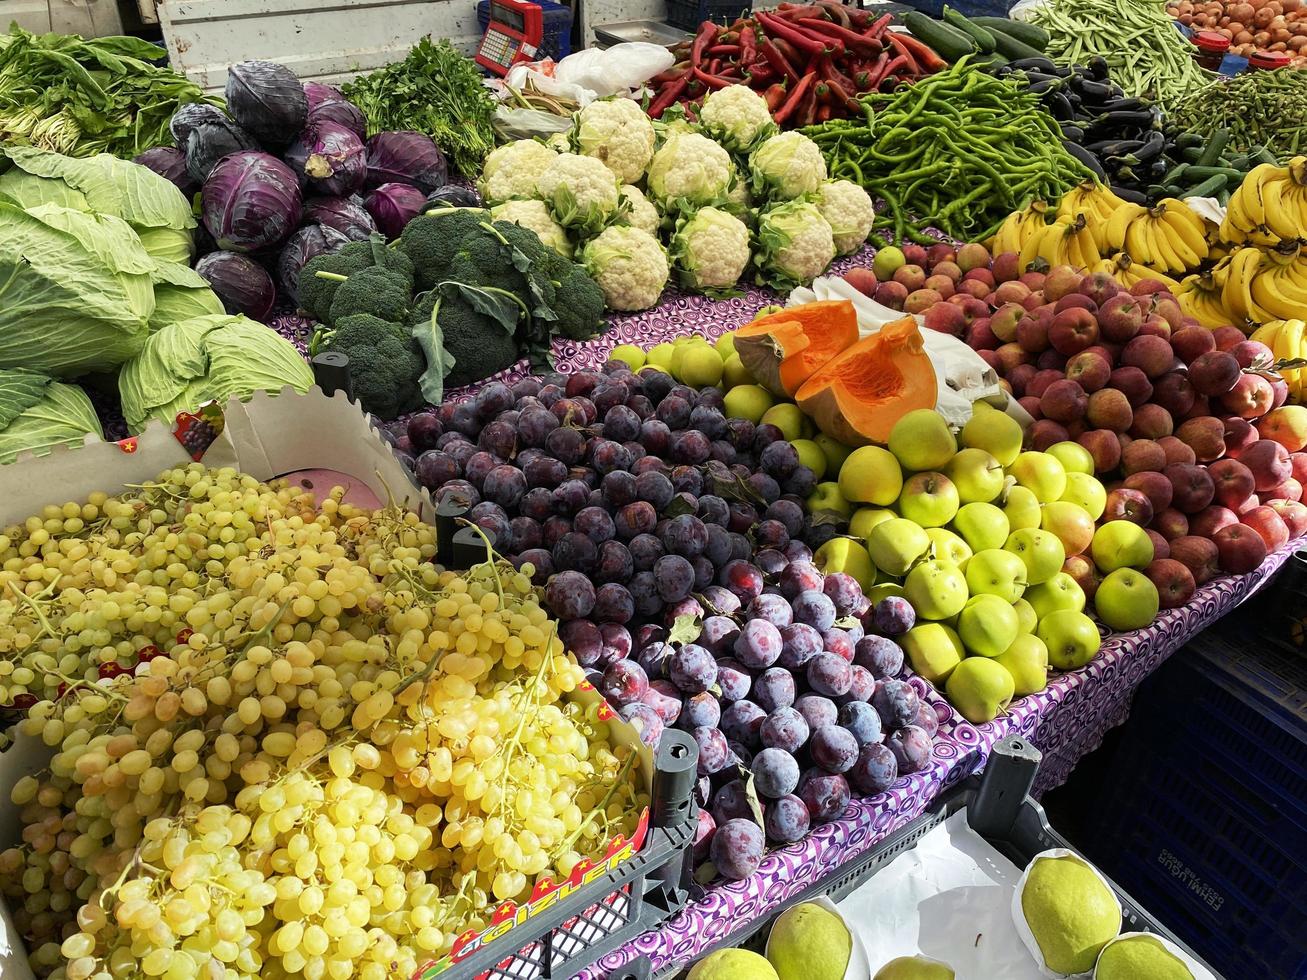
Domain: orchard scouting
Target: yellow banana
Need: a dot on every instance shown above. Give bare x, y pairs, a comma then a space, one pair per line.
1281, 219
1118, 225
1200, 297
1007, 238
1139, 242
1089, 253
1237, 296
1267, 333
1053, 244
1168, 259
1267, 293
1252, 192
1186, 231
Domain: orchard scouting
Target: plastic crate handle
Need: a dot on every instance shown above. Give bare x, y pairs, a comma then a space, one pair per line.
1004, 787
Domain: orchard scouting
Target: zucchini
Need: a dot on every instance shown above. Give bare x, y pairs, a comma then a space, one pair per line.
1024, 31
984, 40
949, 42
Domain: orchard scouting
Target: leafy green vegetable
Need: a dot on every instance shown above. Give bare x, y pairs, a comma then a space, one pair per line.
76, 292
437, 91
179, 294
79, 97
37, 413
206, 358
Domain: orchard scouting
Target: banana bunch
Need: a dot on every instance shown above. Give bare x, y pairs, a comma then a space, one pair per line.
1018, 228
1200, 296
1127, 271
1067, 241
1096, 202
1277, 284
1168, 238
1287, 340
1269, 207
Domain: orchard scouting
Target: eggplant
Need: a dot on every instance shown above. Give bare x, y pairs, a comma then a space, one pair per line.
1091, 89
1098, 68
1040, 64
1059, 105
1122, 104
1114, 148
1158, 168
1071, 133
1129, 194
1048, 85
1085, 157
1152, 148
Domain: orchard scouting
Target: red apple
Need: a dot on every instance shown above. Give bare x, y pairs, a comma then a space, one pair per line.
1045, 433
983, 276
973, 287
1238, 435
1141, 456
1151, 354
1279, 391
1249, 352
991, 358
1042, 381
1269, 462
1293, 514
1085, 574
1192, 485
1104, 447
915, 254
1156, 487
1214, 373
1100, 287
920, 300
1151, 421
1201, 408
1249, 504
1010, 292
1109, 408
948, 319
1234, 482
1119, 318
1031, 404
1005, 266
1020, 377
1250, 398
978, 334
1174, 393
940, 284
1155, 326
1171, 524
1089, 370
1205, 436
1072, 330
1051, 360
1061, 281
1175, 583
1073, 301
863, 280
1290, 489
1227, 337
973, 256
1063, 401
1010, 355
891, 294
1199, 555
1298, 466
1161, 547
1211, 519
1189, 342
1032, 280
1124, 504
1133, 383
1266, 522
942, 264
910, 276
1004, 322
1241, 549
1176, 451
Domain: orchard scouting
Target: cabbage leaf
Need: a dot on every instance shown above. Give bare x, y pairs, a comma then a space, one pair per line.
203, 359
37, 413
180, 293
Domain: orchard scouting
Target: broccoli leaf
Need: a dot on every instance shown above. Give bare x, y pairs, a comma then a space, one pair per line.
499, 304
440, 362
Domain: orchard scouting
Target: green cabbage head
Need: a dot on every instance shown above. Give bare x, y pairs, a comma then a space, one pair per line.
37, 413
204, 359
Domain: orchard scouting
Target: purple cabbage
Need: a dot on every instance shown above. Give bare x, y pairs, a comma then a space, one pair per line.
250, 201
454, 196
346, 215
242, 284
326, 102
169, 162
190, 115
268, 100
328, 157
307, 243
406, 157
393, 206
209, 142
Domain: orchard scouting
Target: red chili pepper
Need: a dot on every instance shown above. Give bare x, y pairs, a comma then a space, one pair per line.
840, 96
808, 110
671, 74
707, 34
670, 93
772, 52
896, 42
888, 69
852, 41
837, 11
723, 51
918, 52
714, 66
748, 46
878, 28
824, 113
811, 46
789, 50
774, 96
800, 12
795, 97
761, 73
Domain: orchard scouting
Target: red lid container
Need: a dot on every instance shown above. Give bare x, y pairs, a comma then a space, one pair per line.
1212, 41
1269, 59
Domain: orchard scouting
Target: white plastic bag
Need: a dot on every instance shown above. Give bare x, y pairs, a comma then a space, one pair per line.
528, 124
595, 73
961, 375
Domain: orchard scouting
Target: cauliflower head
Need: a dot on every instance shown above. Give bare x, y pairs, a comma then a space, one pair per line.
689, 170
581, 192
559, 143
629, 265
710, 250
795, 245
737, 117
848, 209
787, 166
510, 171
535, 215
640, 213
617, 132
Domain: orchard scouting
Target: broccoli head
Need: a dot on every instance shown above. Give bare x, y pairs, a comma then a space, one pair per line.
380, 292
431, 240
385, 363
480, 344
580, 305
316, 293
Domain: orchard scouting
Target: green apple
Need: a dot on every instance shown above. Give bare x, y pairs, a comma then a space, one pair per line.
922, 440
981, 526
848, 556
1071, 524
883, 590
994, 431
948, 546
977, 475
1121, 544
895, 544
628, 354
1074, 457
1042, 552
871, 475
936, 589
726, 344
835, 451
987, 625
789, 418
1126, 600
1041, 473
887, 261
1084, 490
996, 572
827, 499
811, 456
933, 649
1026, 615
1021, 507
1059, 593
865, 518
980, 689
1071, 637
735, 374
1027, 661
929, 498
743, 401
660, 357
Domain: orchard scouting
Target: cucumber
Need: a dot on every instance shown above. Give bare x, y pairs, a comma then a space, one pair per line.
1011, 47
1024, 31
949, 42
984, 40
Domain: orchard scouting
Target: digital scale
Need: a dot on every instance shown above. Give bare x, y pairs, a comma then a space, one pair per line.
515, 33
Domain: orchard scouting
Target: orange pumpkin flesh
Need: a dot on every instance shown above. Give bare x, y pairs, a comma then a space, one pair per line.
782, 350
859, 394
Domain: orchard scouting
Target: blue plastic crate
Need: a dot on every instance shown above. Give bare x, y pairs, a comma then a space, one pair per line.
1204, 815
689, 14
557, 41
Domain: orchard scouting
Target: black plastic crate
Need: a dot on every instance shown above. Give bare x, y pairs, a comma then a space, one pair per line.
1277, 613
1206, 817
968, 8
999, 809
689, 14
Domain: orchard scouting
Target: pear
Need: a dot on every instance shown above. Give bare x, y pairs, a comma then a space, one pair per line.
732, 964
1140, 954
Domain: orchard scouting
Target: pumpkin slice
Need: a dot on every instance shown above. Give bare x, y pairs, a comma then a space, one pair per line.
782, 350
860, 393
